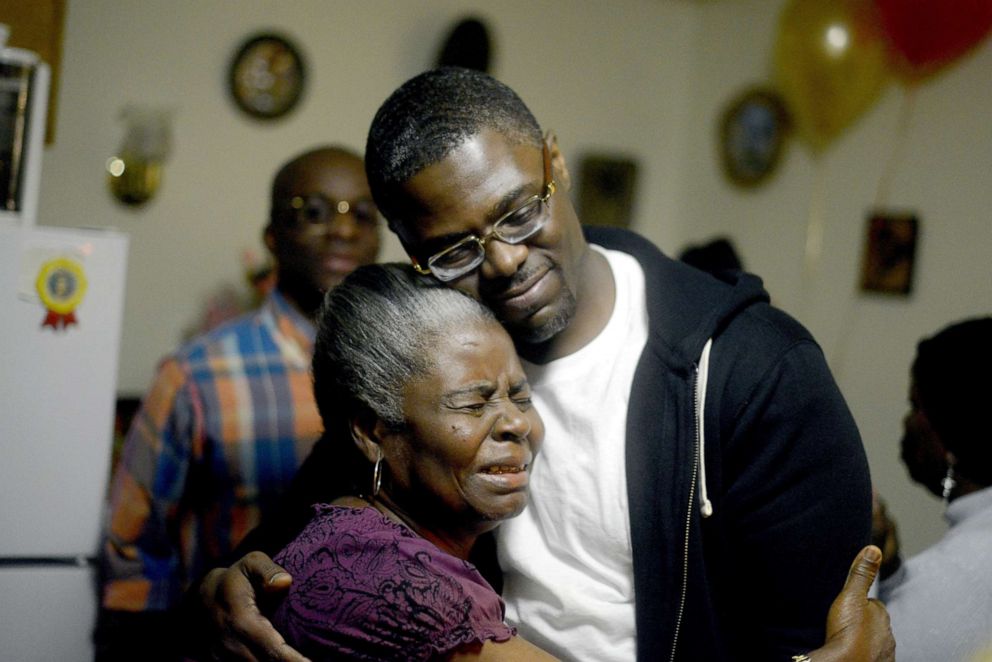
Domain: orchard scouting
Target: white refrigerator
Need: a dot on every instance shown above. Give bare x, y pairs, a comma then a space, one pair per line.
61, 305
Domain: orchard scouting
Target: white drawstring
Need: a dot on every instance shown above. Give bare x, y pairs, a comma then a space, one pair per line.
705, 507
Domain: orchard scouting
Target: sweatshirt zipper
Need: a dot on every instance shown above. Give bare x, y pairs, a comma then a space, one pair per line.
688, 518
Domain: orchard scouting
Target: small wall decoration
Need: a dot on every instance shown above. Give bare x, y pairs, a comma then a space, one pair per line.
606, 192
889, 253
753, 129
134, 174
267, 76
467, 45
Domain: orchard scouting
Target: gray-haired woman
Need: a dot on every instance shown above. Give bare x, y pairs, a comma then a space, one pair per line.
422, 389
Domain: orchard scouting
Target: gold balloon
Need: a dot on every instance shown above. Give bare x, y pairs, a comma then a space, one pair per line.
831, 63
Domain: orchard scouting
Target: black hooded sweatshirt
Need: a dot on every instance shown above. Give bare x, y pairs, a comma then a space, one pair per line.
740, 561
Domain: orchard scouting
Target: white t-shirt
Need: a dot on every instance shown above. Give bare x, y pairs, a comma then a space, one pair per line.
567, 564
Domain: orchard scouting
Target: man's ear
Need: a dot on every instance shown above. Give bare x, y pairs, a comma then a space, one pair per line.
269, 237
398, 231
558, 167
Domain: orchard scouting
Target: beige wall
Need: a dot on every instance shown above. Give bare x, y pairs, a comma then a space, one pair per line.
646, 78
598, 76
943, 171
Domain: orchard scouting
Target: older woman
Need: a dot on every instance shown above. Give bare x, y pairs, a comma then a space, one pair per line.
424, 390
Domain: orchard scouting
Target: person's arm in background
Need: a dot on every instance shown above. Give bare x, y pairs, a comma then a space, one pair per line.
885, 536
797, 502
141, 566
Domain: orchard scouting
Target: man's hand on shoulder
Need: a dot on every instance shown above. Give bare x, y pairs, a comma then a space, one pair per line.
234, 626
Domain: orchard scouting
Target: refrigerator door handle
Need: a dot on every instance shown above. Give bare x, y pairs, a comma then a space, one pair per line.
47, 561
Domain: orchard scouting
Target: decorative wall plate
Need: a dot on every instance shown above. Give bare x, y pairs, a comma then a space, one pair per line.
267, 76
752, 133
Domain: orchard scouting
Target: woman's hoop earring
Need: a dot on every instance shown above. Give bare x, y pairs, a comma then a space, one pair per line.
377, 475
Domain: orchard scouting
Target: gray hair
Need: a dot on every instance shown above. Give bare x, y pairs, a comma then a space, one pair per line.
375, 332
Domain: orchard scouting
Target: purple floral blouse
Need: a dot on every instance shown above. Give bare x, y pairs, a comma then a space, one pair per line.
366, 588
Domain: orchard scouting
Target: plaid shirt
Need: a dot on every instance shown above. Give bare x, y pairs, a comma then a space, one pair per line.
227, 422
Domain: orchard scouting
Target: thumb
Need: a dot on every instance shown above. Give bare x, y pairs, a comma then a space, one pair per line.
862, 574
264, 574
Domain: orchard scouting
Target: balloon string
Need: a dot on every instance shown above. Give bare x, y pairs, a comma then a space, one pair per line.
838, 359
851, 313
902, 129
814, 231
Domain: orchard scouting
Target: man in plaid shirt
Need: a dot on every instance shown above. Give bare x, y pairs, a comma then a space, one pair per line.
231, 414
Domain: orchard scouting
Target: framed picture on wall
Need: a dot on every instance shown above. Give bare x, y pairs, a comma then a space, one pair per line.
606, 190
752, 135
889, 253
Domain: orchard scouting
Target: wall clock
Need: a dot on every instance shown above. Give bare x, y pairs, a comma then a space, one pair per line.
267, 76
753, 130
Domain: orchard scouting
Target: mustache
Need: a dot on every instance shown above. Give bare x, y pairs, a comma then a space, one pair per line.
490, 288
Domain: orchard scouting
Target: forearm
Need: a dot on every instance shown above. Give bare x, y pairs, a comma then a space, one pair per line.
515, 649
830, 653
142, 567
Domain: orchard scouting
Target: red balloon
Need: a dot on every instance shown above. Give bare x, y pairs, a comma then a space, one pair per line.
929, 34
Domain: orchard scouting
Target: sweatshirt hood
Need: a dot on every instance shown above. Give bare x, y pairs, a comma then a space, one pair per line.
697, 307
685, 321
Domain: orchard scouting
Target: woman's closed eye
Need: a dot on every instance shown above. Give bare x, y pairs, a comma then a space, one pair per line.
479, 407
473, 407
476, 400
469, 401
523, 402
520, 395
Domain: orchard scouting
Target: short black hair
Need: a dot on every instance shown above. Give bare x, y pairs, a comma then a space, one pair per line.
295, 166
429, 116
952, 373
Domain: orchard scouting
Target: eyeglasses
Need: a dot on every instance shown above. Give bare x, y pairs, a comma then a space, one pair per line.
513, 227
314, 211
